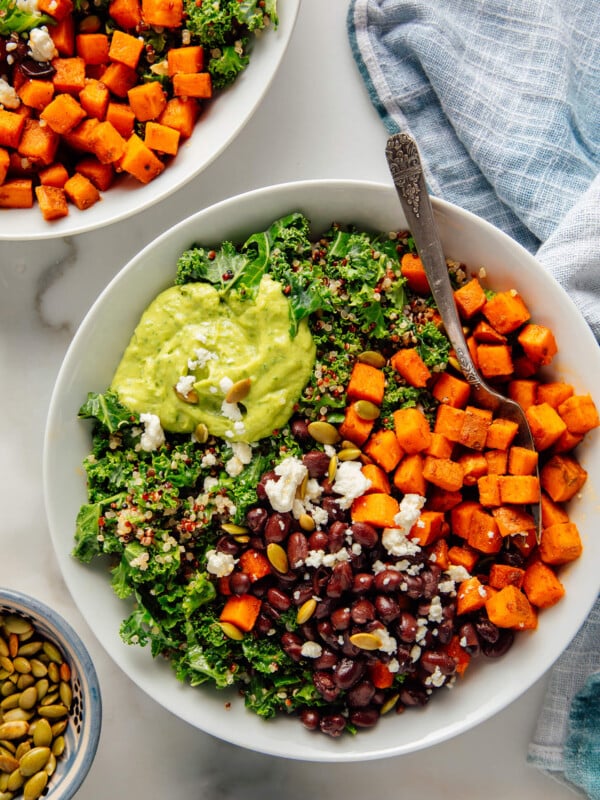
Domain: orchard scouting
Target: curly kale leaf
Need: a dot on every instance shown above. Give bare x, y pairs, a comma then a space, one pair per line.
141, 628
203, 264
106, 409
223, 22
17, 20
227, 65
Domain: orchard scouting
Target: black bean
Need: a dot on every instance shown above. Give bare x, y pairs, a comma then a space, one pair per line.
388, 609
297, 549
363, 533
347, 672
336, 536
299, 428
487, 630
437, 659
256, 518
332, 724
325, 685
469, 638
326, 660
318, 540
362, 611
239, 582
362, 583
341, 579
317, 463
364, 717
361, 694
310, 718
264, 479
334, 510
328, 634
340, 618
277, 527
501, 646
407, 627
278, 599
388, 580
292, 645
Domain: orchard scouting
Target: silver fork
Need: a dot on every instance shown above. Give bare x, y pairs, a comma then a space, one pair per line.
405, 166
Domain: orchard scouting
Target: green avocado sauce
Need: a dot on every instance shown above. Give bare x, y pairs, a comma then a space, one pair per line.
194, 339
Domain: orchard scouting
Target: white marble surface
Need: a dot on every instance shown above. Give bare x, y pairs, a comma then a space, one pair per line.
316, 121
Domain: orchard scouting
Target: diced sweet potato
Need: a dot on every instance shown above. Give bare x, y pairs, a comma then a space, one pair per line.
196, 84
411, 268
510, 608
443, 472
495, 360
412, 429
81, 191
523, 391
538, 343
428, 528
377, 509
408, 477
506, 311
16, 193
513, 520
519, 489
470, 299
579, 413
383, 447
501, 434
542, 586
161, 138
366, 383
471, 596
560, 543
546, 425
52, 202
63, 113
451, 390
562, 476
409, 364
140, 161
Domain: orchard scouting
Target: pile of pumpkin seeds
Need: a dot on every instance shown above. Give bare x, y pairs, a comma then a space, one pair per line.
35, 702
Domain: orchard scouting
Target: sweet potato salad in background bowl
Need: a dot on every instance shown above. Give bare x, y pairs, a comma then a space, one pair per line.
304, 536
107, 108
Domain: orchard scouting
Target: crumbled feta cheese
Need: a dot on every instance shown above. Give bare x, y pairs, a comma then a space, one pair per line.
8, 96
41, 46
281, 493
437, 678
397, 543
387, 643
457, 573
350, 482
219, 564
153, 436
410, 511
311, 649
185, 384
436, 611
202, 357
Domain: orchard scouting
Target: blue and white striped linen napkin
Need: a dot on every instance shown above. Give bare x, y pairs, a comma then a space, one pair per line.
503, 99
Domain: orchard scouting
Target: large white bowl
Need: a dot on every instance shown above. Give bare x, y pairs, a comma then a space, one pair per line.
89, 364
220, 123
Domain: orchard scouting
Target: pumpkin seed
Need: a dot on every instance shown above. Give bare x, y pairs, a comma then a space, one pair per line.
28, 698
7, 665
306, 610
349, 454
3, 648
365, 641
238, 391
201, 433
7, 688
42, 733
332, 468
191, 397
234, 530
453, 361
277, 557
53, 672
22, 665
58, 745
65, 693
389, 704
53, 711
12, 701
17, 625
50, 767
15, 781
25, 680
33, 761
24, 747
35, 786
367, 410
323, 432
231, 631
30, 649
65, 672
52, 652
4, 777
17, 714
373, 358
38, 668
13, 645
301, 490
42, 687
6, 796
14, 729
49, 699
306, 522
59, 727
8, 763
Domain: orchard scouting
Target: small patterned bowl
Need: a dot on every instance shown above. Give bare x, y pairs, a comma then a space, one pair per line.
82, 732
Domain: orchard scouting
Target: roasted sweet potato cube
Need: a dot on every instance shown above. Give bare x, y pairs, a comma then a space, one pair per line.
546, 425
538, 343
506, 311
562, 476
495, 360
52, 202
560, 543
510, 608
470, 299
579, 413
451, 390
541, 585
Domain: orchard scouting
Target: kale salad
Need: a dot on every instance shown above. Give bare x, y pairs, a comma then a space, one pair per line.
247, 563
